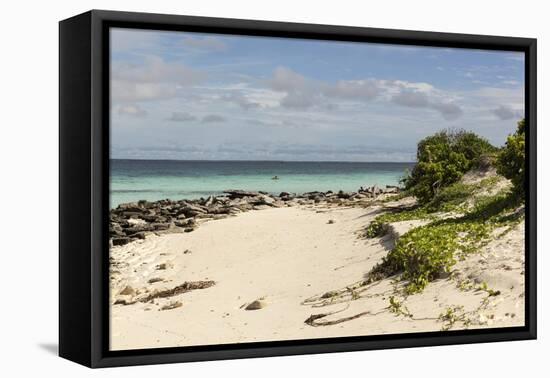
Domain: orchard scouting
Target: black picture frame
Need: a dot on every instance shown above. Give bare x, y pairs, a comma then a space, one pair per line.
84, 187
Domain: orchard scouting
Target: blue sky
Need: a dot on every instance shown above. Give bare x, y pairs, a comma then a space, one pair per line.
178, 95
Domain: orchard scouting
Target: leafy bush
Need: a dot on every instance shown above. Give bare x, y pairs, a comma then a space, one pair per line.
442, 159
424, 253
451, 197
511, 159
375, 229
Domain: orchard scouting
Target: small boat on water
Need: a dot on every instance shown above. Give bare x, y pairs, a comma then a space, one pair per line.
275, 178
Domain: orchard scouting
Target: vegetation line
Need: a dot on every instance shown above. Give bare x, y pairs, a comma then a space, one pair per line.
461, 216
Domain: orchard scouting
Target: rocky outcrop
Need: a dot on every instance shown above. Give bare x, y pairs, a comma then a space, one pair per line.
134, 221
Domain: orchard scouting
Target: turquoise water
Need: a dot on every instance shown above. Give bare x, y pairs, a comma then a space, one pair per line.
133, 180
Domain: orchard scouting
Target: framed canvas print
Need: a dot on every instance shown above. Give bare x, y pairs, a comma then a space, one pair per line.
234, 188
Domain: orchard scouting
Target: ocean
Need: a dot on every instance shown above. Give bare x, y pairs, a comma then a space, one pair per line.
134, 180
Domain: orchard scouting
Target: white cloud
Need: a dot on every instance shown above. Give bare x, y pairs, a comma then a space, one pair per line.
303, 93
504, 113
237, 97
416, 86
420, 99
150, 80
491, 98
357, 89
297, 100
207, 43
286, 80
448, 110
126, 91
212, 118
156, 70
181, 117
411, 99
133, 40
518, 57
132, 110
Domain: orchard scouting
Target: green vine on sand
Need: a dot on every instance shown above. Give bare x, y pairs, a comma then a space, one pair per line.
427, 252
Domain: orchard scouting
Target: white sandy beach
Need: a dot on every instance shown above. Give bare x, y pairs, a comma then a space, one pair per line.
283, 256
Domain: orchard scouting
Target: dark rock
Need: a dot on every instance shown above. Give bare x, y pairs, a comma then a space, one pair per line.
132, 206
124, 301
392, 189
138, 235
258, 304
149, 217
131, 214
116, 233
121, 241
191, 210
171, 306
139, 228
263, 199
313, 195
160, 226
343, 195
209, 201
128, 290
240, 193
164, 266
218, 210
115, 229
187, 222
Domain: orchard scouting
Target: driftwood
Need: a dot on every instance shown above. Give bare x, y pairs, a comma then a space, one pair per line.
312, 320
180, 289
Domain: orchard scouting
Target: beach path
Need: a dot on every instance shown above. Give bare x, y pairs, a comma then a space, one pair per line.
279, 256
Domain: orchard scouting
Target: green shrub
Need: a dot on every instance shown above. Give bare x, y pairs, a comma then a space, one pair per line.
374, 229
511, 159
448, 199
442, 159
424, 253
377, 227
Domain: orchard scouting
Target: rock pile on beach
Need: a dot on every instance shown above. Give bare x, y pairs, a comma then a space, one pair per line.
133, 221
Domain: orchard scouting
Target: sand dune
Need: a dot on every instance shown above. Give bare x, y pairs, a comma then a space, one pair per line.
295, 262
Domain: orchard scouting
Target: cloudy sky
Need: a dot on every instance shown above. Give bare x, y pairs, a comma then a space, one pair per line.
195, 96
